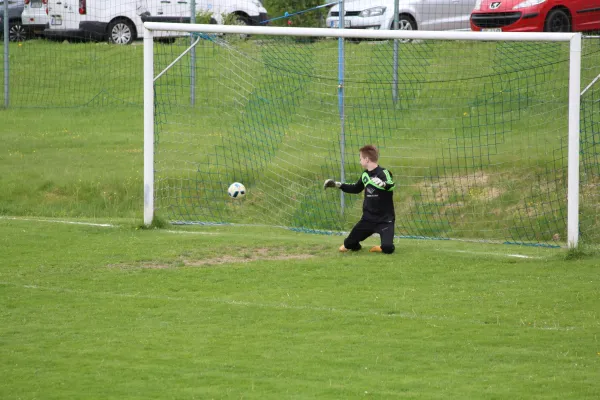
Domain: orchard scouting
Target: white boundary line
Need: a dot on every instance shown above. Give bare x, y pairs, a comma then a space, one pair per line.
281, 306
495, 254
192, 232
59, 221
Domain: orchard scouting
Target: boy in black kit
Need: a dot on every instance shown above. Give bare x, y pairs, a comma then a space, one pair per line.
378, 206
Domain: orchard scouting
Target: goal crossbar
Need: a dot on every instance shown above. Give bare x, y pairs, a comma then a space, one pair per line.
366, 34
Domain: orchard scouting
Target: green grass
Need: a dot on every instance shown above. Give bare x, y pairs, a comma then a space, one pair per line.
121, 313
71, 162
181, 312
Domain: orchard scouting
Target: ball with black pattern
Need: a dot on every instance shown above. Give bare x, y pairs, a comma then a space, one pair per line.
236, 190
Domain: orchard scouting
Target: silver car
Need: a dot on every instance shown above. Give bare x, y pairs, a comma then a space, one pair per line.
429, 15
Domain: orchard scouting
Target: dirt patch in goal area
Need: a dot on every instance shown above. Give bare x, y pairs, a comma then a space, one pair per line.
235, 260
476, 185
246, 256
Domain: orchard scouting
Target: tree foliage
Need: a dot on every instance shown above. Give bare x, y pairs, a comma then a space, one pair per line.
312, 18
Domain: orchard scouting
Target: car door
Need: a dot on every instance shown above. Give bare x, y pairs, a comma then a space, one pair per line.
64, 14
464, 8
445, 14
182, 9
164, 10
586, 15
431, 14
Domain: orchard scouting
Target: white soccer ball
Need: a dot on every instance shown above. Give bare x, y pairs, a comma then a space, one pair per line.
236, 190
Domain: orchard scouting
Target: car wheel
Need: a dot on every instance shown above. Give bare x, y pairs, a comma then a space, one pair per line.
17, 33
557, 21
121, 31
405, 23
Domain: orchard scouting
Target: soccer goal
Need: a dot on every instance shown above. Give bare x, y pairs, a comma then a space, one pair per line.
481, 131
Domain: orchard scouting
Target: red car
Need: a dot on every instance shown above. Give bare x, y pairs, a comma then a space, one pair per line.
536, 15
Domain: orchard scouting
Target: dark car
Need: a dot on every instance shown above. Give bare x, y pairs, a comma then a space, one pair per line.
16, 32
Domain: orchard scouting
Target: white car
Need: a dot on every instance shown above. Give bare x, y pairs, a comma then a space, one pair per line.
427, 15
121, 22
34, 18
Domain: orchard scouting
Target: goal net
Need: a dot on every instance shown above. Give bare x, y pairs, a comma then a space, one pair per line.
480, 130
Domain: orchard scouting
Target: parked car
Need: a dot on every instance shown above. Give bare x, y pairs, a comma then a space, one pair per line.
412, 14
536, 15
121, 22
16, 32
34, 17
247, 12
113, 20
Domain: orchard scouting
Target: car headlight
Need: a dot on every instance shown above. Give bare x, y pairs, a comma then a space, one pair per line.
477, 5
372, 12
528, 3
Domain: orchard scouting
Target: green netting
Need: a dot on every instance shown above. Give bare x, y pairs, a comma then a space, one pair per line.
476, 137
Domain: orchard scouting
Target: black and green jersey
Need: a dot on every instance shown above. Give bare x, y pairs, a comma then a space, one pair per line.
378, 205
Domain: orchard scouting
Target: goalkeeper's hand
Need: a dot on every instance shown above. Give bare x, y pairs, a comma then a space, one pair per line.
329, 183
378, 182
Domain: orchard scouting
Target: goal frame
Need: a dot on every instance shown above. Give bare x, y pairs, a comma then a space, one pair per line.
575, 46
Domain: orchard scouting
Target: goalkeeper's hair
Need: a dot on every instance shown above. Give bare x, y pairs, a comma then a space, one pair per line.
369, 151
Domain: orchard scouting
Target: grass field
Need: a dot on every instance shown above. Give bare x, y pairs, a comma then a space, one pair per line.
116, 312
70, 162
94, 307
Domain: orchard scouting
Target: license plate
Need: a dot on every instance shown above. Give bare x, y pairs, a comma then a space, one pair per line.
56, 21
336, 23
491, 30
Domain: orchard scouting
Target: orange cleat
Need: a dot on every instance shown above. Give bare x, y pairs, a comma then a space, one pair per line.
342, 249
375, 249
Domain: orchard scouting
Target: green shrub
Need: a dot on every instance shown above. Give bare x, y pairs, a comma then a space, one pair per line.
314, 18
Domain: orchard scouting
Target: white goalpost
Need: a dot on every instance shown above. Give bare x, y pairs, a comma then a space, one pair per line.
493, 133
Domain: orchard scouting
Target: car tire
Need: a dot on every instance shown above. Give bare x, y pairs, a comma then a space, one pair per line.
557, 20
405, 23
16, 32
121, 31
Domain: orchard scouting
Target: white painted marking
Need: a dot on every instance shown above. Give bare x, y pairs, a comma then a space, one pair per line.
58, 221
193, 232
494, 254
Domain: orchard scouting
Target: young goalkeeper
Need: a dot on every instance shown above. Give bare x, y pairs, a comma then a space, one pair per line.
378, 206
